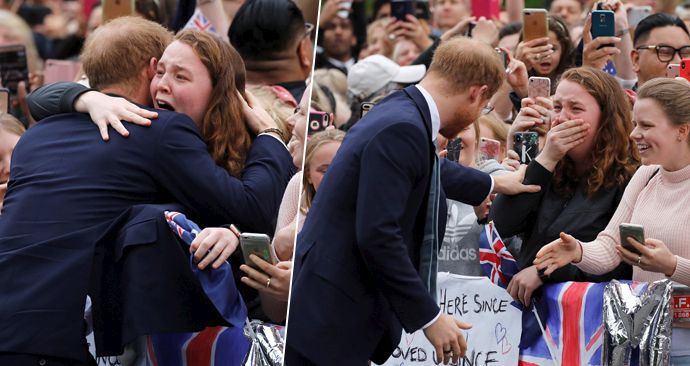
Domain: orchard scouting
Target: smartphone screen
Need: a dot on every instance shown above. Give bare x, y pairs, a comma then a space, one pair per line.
535, 24
13, 67
454, 147
4, 100
318, 121
400, 9
257, 244
634, 231
526, 145
538, 87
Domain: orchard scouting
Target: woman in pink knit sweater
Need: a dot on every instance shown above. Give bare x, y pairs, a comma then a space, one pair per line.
657, 198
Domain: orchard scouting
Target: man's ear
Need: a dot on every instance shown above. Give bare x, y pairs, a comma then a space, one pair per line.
478, 93
151, 69
635, 58
305, 53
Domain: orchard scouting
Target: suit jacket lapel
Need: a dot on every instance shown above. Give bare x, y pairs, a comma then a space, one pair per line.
423, 107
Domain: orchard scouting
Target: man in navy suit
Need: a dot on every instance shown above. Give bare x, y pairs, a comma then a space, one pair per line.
355, 281
67, 187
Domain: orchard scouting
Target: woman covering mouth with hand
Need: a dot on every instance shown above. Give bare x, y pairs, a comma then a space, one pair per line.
657, 198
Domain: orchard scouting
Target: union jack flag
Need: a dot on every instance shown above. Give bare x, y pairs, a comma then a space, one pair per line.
213, 346
566, 326
200, 22
610, 68
496, 261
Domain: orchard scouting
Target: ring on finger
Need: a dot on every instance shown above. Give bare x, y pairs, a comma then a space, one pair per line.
268, 282
639, 259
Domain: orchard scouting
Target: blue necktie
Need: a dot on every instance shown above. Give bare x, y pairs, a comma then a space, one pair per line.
428, 261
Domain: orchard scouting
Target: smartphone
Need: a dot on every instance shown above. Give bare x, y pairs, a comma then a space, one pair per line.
60, 70
400, 9
603, 25
489, 149
538, 87
454, 147
318, 121
684, 71
503, 56
364, 108
257, 244
470, 29
673, 70
634, 231
488, 9
4, 100
637, 13
526, 145
117, 8
534, 24
13, 67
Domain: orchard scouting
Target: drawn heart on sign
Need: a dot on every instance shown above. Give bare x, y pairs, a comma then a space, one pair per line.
500, 332
409, 338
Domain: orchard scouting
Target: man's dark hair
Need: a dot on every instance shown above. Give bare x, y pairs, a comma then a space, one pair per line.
510, 29
263, 29
658, 20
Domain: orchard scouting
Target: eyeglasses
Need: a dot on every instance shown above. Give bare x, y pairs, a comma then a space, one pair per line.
665, 53
486, 110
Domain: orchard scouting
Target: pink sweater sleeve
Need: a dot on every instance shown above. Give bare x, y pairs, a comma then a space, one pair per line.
599, 256
290, 203
682, 273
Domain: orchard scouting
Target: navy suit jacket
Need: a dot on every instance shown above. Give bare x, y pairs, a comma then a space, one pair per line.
66, 188
355, 280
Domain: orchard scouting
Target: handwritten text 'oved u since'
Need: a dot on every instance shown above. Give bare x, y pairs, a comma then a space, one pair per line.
471, 358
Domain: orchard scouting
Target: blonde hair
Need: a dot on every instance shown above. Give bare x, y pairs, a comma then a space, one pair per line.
315, 142
672, 96
463, 63
279, 110
9, 123
372, 28
116, 52
22, 35
498, 127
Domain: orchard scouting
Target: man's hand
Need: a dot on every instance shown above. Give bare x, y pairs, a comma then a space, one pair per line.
213, 245
523, 285
446, 336
511, 183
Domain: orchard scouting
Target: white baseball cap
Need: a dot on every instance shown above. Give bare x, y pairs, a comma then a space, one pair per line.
371, 74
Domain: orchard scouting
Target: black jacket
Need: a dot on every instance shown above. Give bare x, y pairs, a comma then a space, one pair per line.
540, 217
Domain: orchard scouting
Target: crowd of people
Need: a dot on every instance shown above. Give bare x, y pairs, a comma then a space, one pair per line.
612, 141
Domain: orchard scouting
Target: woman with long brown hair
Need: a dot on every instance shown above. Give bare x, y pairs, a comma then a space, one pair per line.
583, 170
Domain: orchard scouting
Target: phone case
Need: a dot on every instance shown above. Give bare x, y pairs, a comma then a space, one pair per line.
400, 8
257, 244
488, 9
637, 13
526, 145
318, 121
538, 87
535, 24
4, 100
634, 231
454, 147
13, 66
364, 108
503, 56
603, 25
117, 8
489, 149
60, 70
684, 69
673, 70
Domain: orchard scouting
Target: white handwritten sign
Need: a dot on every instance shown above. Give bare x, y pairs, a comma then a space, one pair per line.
496, 325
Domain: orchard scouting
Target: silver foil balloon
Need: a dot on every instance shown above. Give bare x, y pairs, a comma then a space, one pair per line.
640, 318
267, 344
